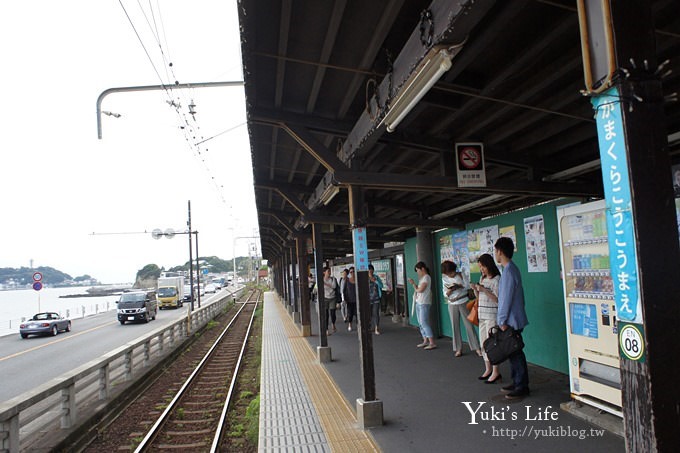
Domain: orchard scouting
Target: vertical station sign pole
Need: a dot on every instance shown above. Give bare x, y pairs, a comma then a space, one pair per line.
623, 78
369, 408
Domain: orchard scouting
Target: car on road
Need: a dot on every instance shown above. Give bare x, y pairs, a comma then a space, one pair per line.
210, 288
48, 323
137, 306
187, 293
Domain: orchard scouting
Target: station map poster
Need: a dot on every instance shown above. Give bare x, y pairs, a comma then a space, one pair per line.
583, 320
481, 241
534, 235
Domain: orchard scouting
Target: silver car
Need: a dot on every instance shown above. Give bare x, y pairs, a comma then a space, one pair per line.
48, 323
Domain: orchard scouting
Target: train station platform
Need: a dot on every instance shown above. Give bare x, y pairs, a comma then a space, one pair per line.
432, 401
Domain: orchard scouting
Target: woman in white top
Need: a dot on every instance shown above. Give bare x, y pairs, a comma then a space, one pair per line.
456, 294
487, 296
423, 303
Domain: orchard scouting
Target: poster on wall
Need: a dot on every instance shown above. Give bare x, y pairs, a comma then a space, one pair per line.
534, 235
481, 241
446, 248
509, 232
460, 252
399, 265
383, 269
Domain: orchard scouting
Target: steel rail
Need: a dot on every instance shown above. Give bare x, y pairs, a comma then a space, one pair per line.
157, 426
227, 401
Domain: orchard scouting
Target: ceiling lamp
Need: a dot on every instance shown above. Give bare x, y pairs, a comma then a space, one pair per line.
435, 63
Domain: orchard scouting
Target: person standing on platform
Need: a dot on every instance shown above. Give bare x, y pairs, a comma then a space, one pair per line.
312, 285
343, 304
423, 303
511, 313
375, 288
350, 295
330, 286
456, 294
487, 296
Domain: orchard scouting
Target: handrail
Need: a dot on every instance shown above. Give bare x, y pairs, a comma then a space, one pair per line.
16, 413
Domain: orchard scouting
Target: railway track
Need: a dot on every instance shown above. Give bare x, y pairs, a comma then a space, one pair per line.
195, 418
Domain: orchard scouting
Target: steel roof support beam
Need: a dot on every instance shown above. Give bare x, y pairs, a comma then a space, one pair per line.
314, 147
450, 184
276, 216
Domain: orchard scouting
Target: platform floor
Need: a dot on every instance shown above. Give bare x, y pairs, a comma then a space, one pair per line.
424, 395
301, 408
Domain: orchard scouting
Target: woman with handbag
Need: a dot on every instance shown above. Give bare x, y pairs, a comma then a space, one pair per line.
456, 294
487, 299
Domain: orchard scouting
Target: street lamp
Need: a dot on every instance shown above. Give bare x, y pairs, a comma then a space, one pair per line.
170, 233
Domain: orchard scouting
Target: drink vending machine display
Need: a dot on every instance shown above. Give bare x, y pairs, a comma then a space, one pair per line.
592, 335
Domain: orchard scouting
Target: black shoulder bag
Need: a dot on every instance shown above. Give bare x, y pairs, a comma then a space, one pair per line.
501, 344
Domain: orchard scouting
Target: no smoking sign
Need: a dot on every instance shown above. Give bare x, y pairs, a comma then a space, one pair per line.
470, 165
470, 157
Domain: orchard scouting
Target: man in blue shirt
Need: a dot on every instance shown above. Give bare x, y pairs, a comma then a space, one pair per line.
511, 314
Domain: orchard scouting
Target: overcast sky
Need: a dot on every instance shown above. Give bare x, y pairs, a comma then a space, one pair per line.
59, 184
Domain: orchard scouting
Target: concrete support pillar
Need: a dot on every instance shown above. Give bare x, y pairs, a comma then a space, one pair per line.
424, 252
369, 413
324, 354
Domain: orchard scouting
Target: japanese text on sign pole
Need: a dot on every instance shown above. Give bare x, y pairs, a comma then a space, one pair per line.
614, 161
360, 249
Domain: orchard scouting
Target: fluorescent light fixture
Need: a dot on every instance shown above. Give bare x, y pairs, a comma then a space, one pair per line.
466, 207
573, 171
328, 194
429, 71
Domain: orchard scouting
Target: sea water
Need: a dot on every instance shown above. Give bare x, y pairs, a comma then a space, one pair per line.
18, 305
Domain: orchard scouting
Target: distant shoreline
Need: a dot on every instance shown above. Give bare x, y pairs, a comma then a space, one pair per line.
99, 292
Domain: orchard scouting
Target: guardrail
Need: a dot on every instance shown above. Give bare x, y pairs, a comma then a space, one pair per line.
68, 400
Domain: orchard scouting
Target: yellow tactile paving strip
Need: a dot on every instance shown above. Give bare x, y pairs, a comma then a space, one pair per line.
336, 416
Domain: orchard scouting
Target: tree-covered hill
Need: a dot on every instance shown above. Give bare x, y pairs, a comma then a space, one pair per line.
24, 275
214, 264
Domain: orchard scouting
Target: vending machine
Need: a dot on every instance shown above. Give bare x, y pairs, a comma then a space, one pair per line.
592, 336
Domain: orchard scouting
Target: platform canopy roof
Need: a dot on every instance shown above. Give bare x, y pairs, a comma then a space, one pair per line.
325, 79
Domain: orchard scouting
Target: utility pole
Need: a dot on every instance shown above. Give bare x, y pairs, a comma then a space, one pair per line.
191, 260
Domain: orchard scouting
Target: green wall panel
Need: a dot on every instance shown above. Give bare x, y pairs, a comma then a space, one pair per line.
545, 336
